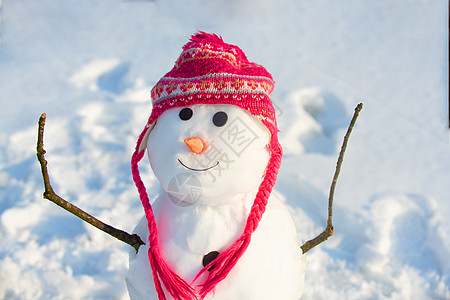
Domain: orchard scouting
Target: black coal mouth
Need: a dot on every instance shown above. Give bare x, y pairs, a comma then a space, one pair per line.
198, 170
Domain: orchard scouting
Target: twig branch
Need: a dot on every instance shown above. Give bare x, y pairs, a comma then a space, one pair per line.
329, 229
131, 239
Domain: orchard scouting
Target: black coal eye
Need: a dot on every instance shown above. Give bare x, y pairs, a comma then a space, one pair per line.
220, 118
185, 114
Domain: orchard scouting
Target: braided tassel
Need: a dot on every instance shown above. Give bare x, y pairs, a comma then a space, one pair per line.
228, 259
174, 284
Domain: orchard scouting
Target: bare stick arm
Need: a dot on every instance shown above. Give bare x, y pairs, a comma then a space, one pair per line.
131, 239
329, 229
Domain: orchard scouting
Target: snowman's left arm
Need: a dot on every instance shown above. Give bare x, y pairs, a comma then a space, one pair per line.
322, 237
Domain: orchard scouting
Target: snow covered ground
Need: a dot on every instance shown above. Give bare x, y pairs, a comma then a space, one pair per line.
90, 67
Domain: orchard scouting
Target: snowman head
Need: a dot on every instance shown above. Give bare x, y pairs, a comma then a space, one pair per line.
212, 125
208, 153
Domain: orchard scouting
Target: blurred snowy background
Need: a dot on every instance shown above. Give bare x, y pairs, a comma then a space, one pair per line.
90, 66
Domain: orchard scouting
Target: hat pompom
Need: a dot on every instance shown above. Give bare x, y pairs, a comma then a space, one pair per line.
202, 37
214, 42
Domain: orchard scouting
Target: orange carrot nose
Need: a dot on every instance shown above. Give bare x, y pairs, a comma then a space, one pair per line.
197, 145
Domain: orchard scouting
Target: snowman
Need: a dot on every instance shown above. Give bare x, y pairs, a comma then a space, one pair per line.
215, 230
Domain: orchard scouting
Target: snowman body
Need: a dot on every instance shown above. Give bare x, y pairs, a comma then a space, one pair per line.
204, 203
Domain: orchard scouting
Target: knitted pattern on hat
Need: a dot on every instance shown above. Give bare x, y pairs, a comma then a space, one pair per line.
209, 71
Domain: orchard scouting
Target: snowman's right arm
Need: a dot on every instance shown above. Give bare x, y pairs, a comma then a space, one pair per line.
132, 239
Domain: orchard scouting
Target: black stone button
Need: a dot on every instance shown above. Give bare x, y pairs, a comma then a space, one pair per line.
209, 258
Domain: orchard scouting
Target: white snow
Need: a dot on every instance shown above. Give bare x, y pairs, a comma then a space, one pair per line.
90, 66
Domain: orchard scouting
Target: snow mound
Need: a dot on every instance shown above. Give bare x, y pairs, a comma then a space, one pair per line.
100, 74
399, 252
320, 115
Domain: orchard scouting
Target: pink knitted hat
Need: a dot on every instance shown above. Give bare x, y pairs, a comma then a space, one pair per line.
209, 71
